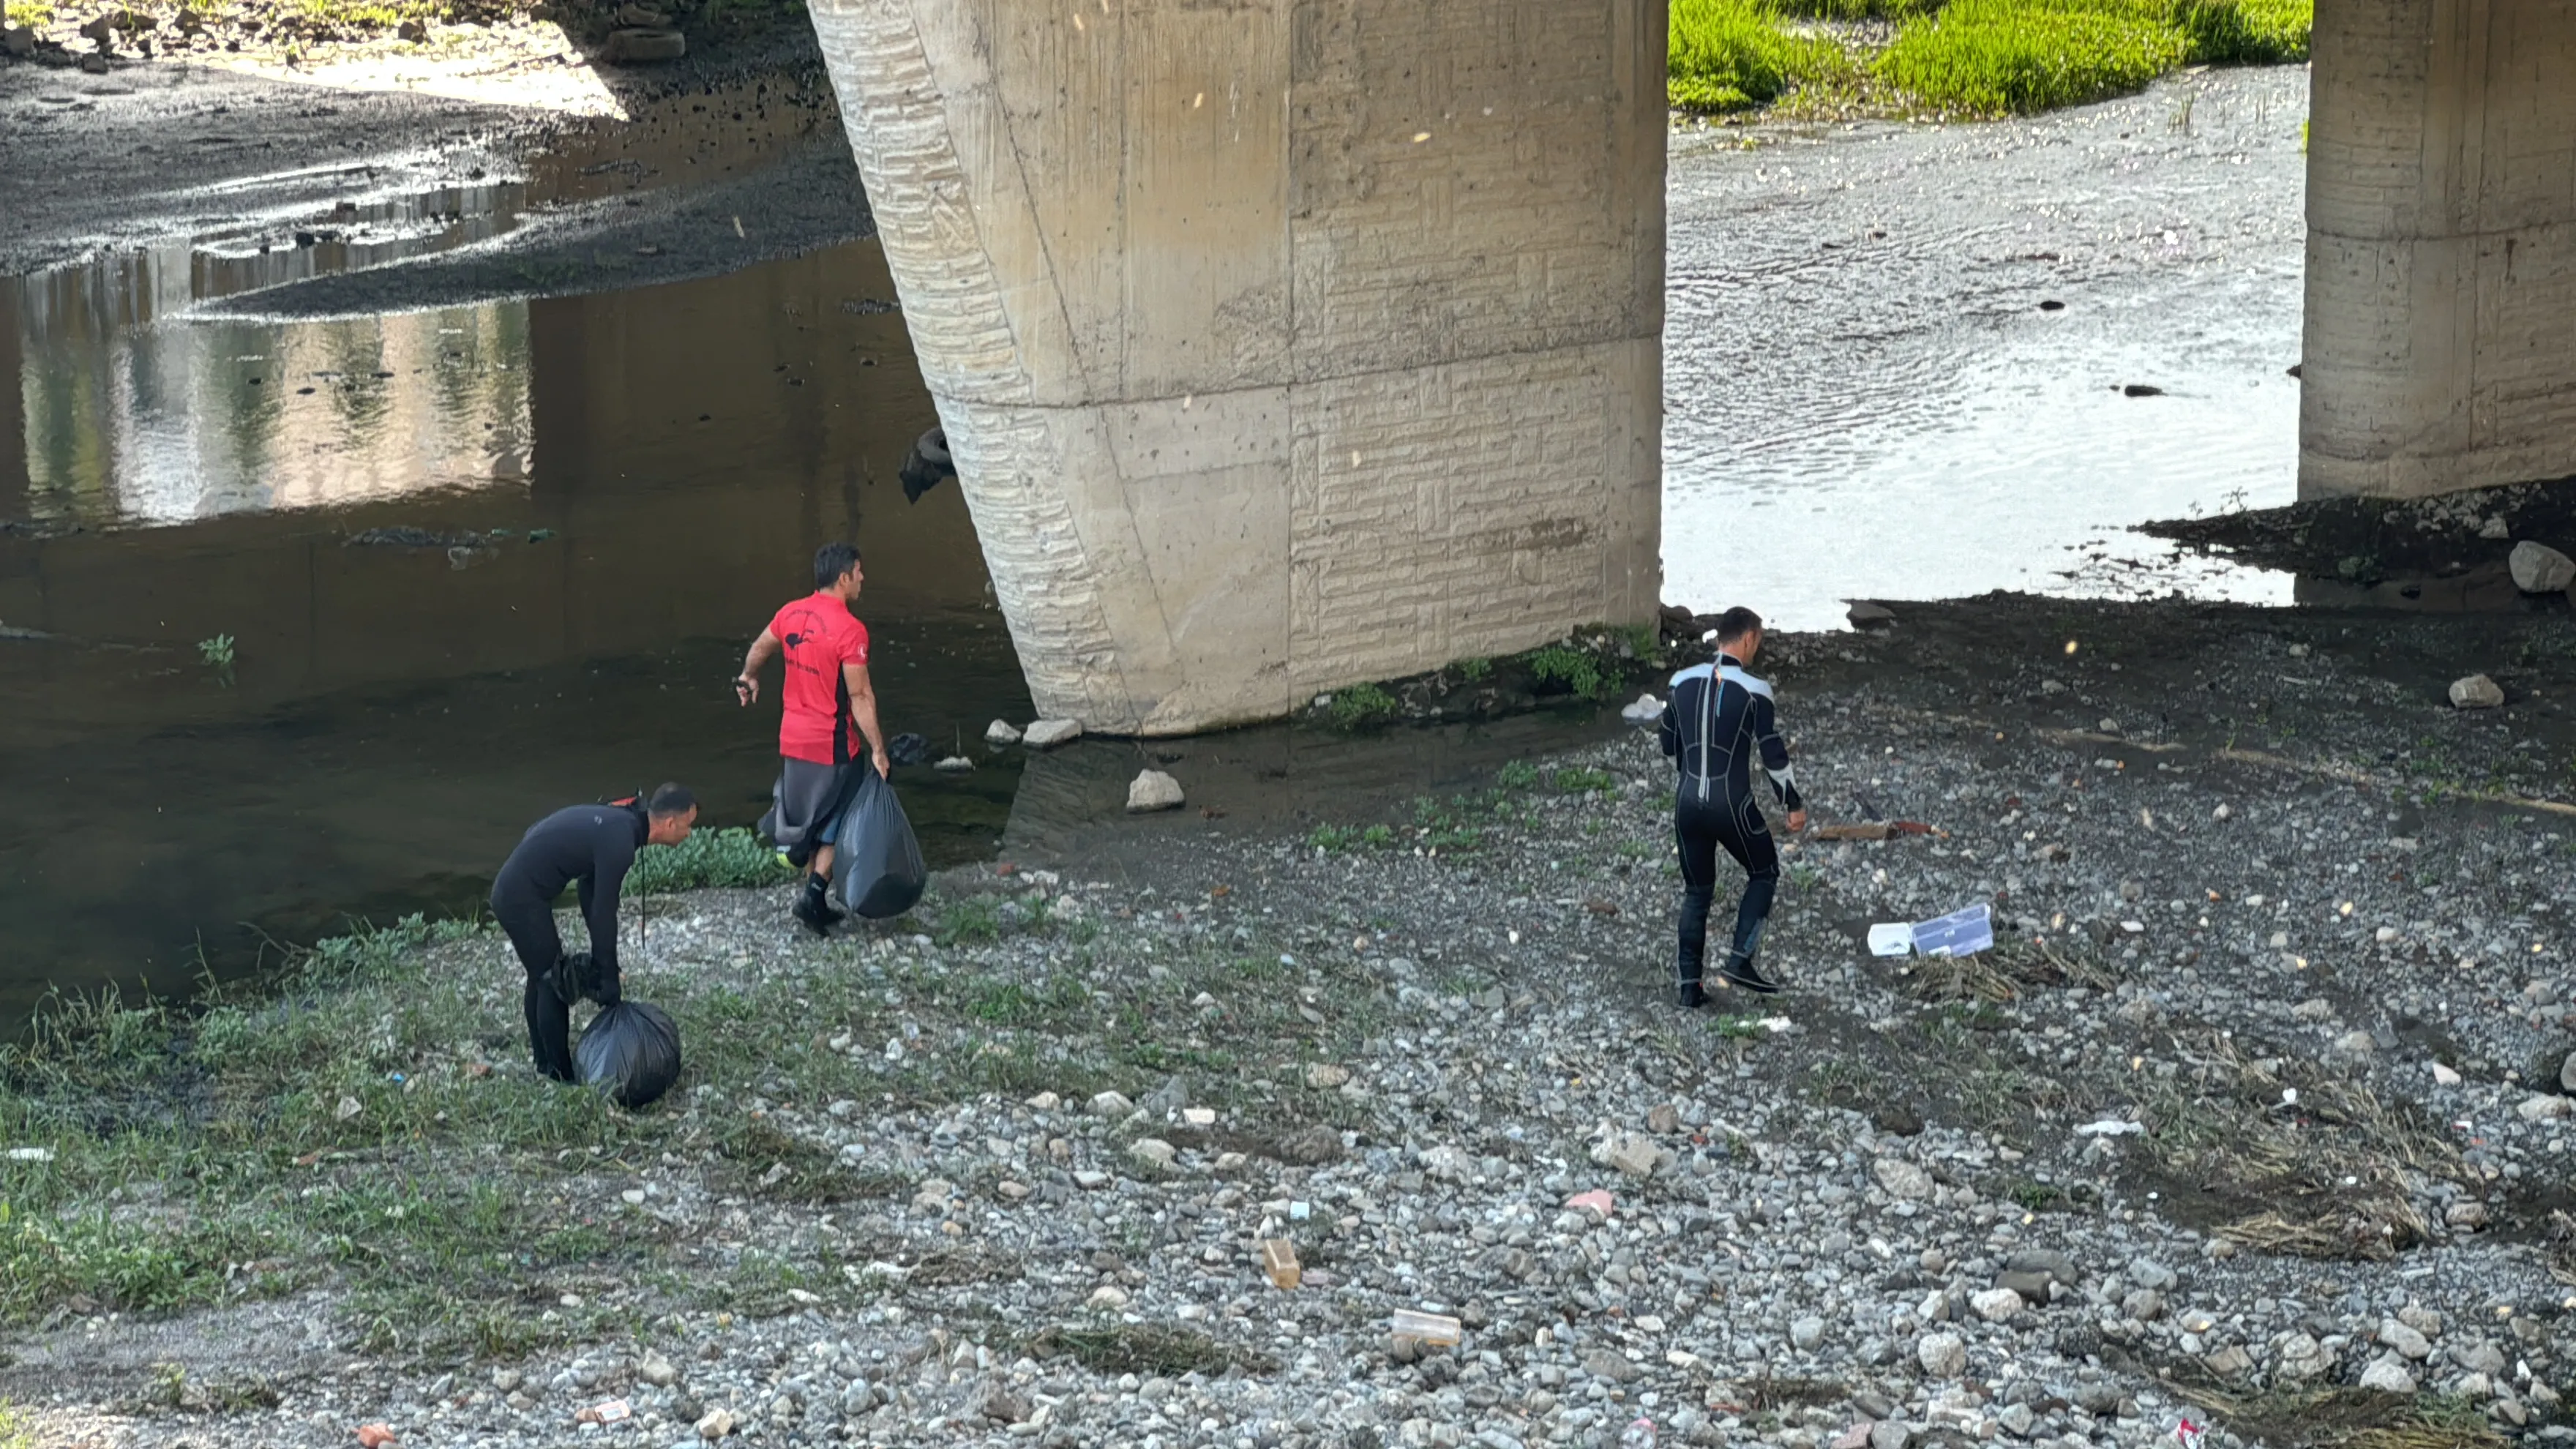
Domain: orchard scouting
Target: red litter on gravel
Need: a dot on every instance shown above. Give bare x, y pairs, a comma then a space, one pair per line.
1596, 1200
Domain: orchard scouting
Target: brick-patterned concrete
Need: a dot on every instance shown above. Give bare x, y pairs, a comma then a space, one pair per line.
1281, 344
2441, 300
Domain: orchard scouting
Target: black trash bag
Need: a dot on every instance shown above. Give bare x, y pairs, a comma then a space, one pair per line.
577, 977
630, 1051
876, 864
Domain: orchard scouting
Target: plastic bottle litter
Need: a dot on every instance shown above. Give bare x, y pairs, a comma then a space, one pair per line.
1279, 1260
1434, 1329
608, 1412
1640, 1434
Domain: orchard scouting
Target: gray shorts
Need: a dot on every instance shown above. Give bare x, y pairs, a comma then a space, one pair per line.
805, 805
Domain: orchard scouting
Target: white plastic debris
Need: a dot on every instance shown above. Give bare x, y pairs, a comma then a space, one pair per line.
2110, 1127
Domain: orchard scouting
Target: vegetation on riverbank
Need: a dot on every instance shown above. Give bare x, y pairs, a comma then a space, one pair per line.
1962, 57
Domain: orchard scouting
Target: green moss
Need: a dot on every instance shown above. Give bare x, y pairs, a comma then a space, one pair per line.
1997, 57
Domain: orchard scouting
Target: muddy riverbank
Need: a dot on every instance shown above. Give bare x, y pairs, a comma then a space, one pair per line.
2255, 1116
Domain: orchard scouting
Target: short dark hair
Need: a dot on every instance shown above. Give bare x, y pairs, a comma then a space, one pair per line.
1735, 623
669, 799
833, 560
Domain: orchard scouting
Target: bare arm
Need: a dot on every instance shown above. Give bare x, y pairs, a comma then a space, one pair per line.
863, 708
746, 685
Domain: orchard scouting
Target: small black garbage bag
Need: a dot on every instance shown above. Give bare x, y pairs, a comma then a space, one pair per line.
577, 976
876, 864
631, 1051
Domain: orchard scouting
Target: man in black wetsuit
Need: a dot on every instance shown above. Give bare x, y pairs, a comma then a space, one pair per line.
1718, 717
592, 844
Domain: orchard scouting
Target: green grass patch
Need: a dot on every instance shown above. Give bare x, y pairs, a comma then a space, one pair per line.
1726, 55
1475, 671
2248, 32
1362, 704
1571, 671
1584, 780
1999, 57
708, 858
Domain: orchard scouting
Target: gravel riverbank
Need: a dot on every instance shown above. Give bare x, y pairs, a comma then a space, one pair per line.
2254, 1117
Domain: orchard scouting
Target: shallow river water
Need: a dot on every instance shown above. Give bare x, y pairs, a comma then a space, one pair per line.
472, 563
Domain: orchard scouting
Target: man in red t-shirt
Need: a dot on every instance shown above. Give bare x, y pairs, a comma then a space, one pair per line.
829, 706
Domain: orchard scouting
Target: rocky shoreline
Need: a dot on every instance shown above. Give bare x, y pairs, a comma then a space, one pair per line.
2256, 1116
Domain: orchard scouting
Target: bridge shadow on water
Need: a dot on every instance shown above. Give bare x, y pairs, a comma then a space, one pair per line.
306, 620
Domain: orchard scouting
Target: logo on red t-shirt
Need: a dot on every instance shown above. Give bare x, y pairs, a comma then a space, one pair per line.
818, 636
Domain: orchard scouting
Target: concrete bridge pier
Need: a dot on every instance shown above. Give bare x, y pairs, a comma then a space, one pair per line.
2441, 282
1281, 344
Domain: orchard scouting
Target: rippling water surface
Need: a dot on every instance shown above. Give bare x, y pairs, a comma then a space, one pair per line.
1868, 396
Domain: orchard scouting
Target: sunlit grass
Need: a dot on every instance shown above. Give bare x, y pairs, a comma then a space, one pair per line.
1726, 55
1963, 57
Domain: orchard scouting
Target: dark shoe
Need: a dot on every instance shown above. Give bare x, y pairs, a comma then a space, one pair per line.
1741, 973
815, 912
1692, 997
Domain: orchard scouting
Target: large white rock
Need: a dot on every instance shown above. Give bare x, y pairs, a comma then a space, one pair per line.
1046, 734
1000, 732
1902, 1178
2404, 1338
1997, 1305
2539, 569
1943, 1355
1153, 790
2388, 1376
2475, 692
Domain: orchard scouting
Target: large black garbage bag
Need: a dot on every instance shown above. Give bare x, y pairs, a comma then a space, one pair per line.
876, 864
630, 1051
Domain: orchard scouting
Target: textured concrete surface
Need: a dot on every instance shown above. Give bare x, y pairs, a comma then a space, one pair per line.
1281, 344
2441, 316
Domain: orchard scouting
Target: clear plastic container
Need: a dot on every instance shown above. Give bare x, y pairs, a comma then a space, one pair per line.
1431, 1328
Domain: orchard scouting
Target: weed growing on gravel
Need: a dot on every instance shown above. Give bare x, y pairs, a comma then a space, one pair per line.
1142, 1348
2344, 1418
15, 1431
707, 858
1517, 775
1361, 705
1475, 671
1572, 670
1584, 780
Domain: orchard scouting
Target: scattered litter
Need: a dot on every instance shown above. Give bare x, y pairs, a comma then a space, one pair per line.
608, 1412
1960, 933
1893, 938
1874, 830
1597, 1200
1777, 1025
1279, 1260
1299, 1212
375, 1436
31, 1154
1646, 710
1437, 1330
2110, 1127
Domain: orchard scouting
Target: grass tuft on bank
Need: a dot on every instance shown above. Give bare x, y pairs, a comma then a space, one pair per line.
1727, 55
1963, 57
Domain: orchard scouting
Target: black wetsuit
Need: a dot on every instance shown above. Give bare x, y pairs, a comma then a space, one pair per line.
1718, 718
592, 844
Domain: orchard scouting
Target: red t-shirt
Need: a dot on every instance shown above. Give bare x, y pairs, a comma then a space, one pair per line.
818, 635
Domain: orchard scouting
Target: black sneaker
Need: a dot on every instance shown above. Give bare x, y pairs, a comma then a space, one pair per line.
1743, 974
815, 912
1692, 997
